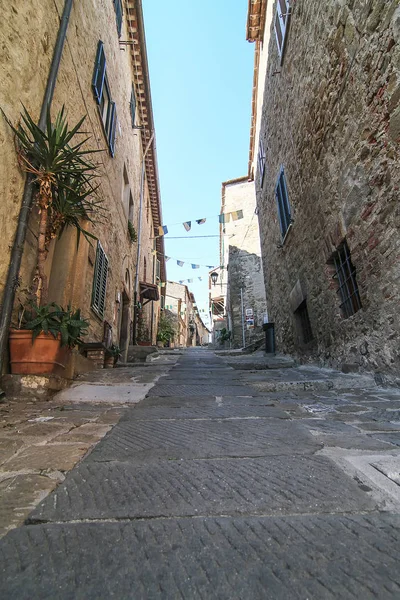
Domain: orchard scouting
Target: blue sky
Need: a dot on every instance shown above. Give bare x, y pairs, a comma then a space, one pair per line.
201, 70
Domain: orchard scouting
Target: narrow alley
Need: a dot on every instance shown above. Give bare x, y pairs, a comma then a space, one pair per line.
226, 482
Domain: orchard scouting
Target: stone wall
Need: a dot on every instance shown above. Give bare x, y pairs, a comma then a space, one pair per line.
241, 259
331, 117
28, 35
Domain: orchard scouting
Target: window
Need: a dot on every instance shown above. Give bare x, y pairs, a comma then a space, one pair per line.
261, 162
162, 302
345, 274
100, 281
301, 314
132, 105
102, 94
281, 24
144, 269
158, 269
118, 15
282, 199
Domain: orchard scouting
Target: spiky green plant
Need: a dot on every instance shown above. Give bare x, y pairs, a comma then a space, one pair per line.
64, 174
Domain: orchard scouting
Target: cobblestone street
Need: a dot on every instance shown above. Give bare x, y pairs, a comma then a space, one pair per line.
226, 481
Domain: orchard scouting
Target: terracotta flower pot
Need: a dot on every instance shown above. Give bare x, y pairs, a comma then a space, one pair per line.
44, 356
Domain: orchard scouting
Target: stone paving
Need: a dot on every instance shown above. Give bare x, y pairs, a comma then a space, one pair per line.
213, 488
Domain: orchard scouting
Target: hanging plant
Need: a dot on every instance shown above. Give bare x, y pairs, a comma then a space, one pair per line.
132, 232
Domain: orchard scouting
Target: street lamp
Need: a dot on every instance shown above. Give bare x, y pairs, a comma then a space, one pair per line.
214, 277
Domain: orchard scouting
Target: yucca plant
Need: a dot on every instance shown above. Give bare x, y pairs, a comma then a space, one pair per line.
65, 177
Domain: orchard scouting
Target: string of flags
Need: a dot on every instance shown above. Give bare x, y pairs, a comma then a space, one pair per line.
235, 215
180, 263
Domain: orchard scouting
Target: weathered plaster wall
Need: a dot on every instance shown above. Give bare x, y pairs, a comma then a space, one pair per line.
331, 116
27, 39
241, 255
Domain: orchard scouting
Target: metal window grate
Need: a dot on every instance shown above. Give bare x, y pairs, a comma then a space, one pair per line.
346, 277
100, 281
283, 203
261, 162
304, 322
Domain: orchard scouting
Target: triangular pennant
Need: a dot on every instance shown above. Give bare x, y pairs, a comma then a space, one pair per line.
237, 214
187, 225
167, 258
190, 280
200, 221
165, 229
180, 263
195, 266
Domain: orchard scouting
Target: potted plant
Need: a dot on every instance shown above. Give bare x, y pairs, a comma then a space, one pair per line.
43, 344
65, 180
166, 329
111, 357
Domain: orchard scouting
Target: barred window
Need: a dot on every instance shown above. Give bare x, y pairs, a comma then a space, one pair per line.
345, 274
281, 24
100, 281
261, 162
283, 204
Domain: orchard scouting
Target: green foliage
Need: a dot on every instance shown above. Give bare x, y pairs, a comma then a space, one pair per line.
166, 328
224, 335
52, 318
132, 232
114, 350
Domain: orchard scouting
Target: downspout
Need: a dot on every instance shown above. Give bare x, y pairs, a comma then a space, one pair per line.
139, 236
26, 205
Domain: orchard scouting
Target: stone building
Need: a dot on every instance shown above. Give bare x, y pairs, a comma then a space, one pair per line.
327, 178
180, 301
103, 76
242, 280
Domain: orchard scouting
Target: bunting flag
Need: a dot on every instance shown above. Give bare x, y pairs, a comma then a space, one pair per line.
237, 214
200, 221
224, 217
181, 281
154, 252
190, 280
163, 284
162, 230
167, 258
180, 263
200, 279
187, 225
210, 267
195, 266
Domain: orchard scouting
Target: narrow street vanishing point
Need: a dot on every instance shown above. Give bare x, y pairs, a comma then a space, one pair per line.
226, 482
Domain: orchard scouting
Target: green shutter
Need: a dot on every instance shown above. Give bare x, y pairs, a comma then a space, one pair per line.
100, 281
99, 72
112, 129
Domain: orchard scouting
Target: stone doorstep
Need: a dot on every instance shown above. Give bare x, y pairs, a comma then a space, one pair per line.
379, 473
33, 386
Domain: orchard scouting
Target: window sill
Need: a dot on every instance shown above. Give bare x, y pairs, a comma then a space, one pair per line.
287, 234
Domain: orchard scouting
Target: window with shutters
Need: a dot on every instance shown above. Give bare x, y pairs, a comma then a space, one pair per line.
100, 281
283, 204
132, 106
261, 162
118, 15
162, 302
281, 24
102, 94
158, 269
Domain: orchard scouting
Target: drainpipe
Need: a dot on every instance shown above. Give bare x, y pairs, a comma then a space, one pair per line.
139, 236
26, 205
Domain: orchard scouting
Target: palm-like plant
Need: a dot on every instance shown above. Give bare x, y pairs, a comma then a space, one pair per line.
65, 176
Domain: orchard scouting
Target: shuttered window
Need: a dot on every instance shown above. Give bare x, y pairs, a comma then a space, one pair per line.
281, 24
118, 15
102, 94
261, 162
100, 281
282, 200
132, 106
158, 269
112, 132
99, 72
